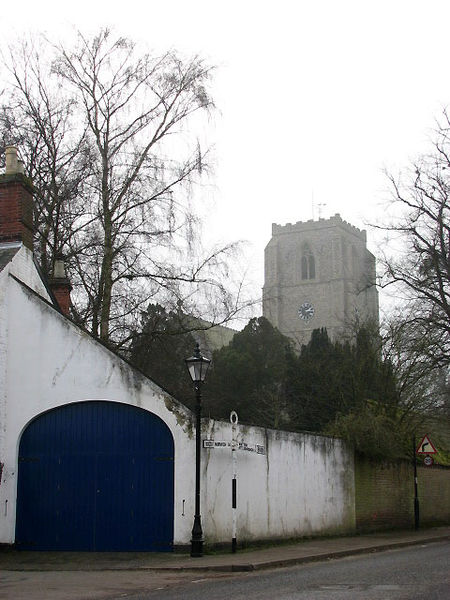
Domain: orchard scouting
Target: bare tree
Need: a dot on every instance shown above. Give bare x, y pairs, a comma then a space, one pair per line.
112, 128
41, 121
418, 237
419, 389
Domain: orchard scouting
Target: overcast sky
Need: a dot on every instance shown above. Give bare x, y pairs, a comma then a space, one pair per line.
315, 98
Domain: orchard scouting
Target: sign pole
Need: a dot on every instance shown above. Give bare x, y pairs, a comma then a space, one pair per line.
235, 446
234, 421
416, 494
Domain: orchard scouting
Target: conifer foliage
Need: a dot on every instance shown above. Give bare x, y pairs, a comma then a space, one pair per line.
261, 377
159, 349
249, 376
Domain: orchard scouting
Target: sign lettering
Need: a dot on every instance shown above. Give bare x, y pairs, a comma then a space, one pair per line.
258, 448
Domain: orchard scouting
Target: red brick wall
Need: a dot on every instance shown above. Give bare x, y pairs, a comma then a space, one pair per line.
16, 210
61, 292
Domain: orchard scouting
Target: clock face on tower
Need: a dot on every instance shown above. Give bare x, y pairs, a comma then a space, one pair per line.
306, 311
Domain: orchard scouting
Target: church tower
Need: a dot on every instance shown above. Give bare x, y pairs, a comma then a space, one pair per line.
318, 274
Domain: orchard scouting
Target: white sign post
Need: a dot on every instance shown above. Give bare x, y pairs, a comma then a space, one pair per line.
234, 445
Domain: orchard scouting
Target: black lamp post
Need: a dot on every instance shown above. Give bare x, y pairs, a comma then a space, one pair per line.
197, 366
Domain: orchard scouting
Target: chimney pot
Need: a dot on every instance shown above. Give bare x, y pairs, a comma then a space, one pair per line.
16, 202
59, 270
12, 163
60, 285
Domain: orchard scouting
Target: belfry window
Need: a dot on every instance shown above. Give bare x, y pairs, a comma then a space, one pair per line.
308, 264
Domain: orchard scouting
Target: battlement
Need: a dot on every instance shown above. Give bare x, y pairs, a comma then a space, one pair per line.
311, 225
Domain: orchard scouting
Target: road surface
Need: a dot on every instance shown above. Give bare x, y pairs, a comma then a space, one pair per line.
415, 573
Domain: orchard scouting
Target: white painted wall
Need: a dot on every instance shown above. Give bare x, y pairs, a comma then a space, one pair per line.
50, 362
23, 267
302, 486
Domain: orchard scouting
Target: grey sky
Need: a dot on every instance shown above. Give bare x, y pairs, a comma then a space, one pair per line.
315, 98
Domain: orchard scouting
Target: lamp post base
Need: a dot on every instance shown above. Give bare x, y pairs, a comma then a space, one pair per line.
197, 538
196, 548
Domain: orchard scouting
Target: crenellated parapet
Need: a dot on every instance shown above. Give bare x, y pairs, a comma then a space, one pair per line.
311, 225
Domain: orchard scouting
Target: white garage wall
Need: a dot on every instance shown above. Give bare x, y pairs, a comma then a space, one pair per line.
303, 485
50, 362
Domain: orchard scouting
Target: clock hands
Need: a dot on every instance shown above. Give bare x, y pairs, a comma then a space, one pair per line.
306, 311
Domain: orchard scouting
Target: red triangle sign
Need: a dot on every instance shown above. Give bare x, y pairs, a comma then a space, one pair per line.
426, 446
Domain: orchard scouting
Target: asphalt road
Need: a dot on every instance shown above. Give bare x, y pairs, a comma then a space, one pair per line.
416, 573
90, 585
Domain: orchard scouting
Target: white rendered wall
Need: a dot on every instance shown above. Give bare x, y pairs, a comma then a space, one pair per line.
304, 485
23, 267
50, 362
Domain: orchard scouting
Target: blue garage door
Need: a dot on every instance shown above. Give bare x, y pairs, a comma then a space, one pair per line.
96, 476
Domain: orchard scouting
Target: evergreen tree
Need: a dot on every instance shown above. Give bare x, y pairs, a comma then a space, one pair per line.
249, 376
160, 348
315, 391
332, 379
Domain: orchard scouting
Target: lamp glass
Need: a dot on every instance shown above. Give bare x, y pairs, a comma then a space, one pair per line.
198, 367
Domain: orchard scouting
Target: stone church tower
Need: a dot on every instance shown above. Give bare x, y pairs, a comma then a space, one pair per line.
319, 274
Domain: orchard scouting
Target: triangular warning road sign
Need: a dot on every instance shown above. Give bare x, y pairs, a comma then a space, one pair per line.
426, 447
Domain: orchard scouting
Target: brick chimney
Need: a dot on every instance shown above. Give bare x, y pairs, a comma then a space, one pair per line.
16, 202
60, 286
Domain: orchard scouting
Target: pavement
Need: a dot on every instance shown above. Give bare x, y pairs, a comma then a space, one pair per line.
252, 559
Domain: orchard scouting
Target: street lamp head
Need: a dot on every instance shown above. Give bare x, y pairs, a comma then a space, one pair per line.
197, 365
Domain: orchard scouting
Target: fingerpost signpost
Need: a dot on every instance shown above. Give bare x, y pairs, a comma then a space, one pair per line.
234, 445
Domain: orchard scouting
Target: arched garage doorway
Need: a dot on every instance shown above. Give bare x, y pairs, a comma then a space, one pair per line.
96, 476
